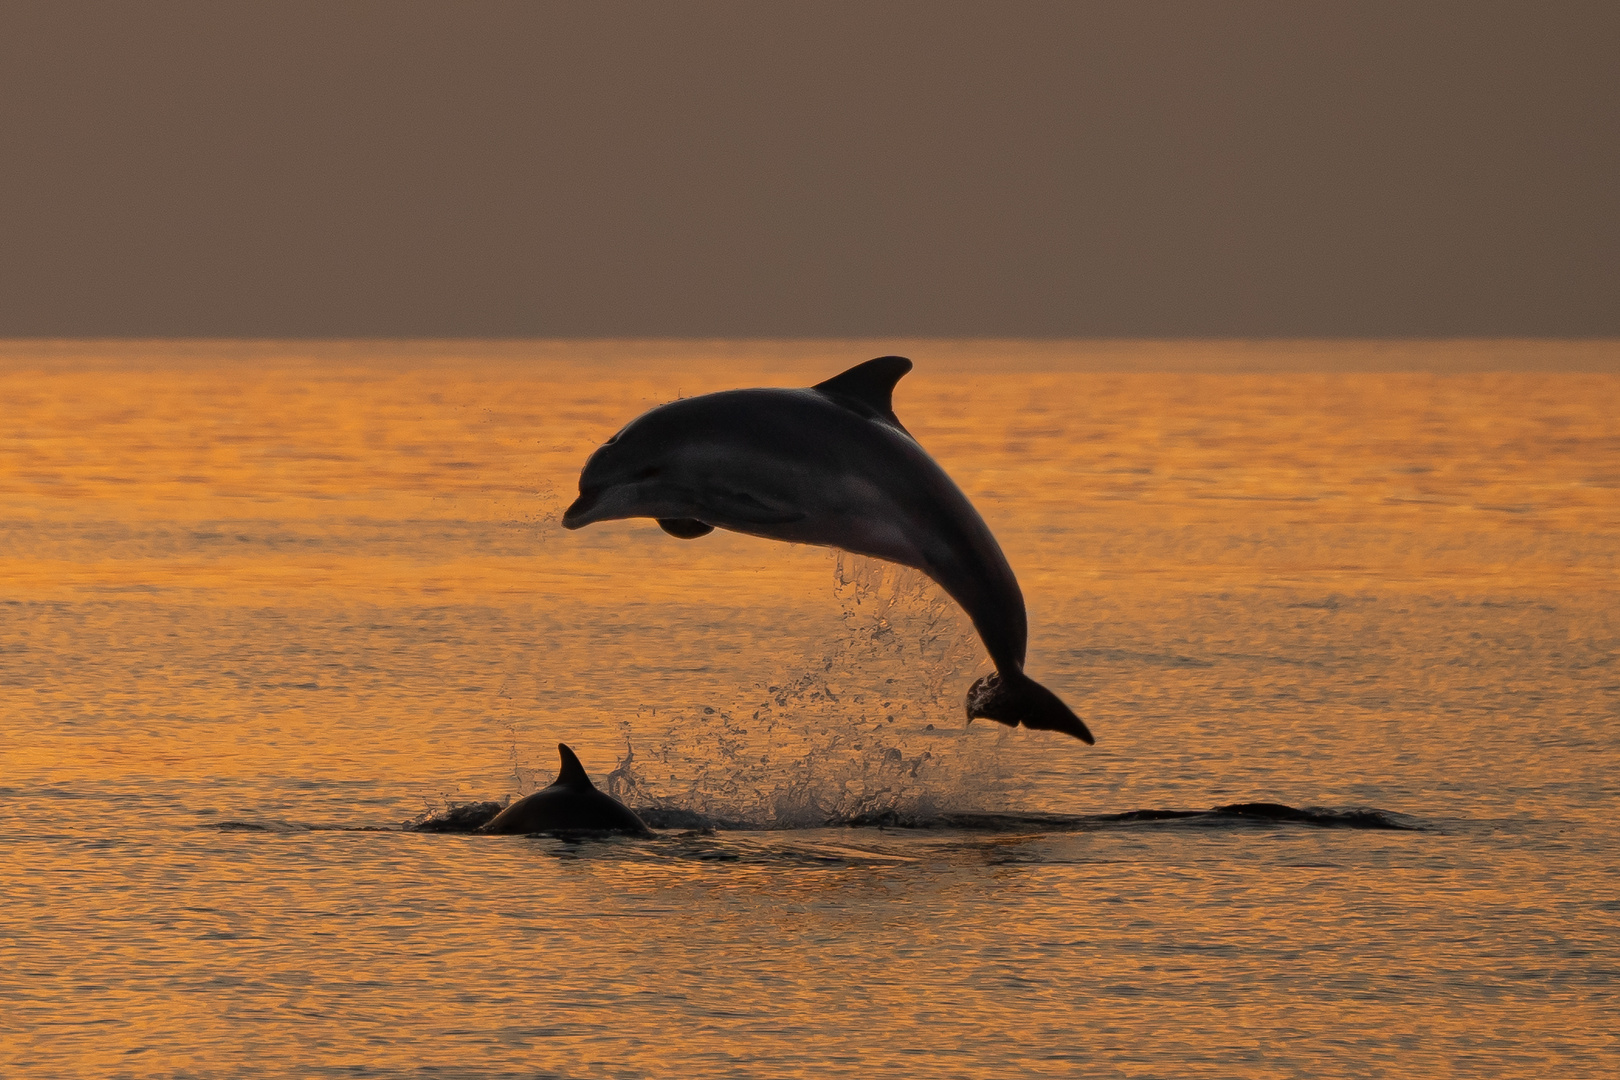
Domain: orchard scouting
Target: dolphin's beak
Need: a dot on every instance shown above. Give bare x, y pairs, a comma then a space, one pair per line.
578, 515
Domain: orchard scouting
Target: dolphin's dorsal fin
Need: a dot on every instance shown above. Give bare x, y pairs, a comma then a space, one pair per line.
871, 385
572, 774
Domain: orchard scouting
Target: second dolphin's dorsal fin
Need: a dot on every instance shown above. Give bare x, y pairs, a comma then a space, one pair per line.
870, 385
572, 773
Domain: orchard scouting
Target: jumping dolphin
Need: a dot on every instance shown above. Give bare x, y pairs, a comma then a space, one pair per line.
828, 465
570, 805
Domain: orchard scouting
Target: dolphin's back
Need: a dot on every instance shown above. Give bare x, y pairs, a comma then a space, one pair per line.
559, 810
571, 804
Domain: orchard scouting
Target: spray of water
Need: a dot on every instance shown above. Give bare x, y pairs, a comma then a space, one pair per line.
868, 726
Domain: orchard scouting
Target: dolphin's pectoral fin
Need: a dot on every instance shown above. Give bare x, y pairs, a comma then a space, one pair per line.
685, 528
748, 509
869, 386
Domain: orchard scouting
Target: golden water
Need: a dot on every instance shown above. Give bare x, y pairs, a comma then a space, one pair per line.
256, 595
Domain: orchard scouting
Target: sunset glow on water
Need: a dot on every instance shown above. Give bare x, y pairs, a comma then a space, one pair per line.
257, 596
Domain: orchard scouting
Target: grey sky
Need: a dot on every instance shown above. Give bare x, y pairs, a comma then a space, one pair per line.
476, 168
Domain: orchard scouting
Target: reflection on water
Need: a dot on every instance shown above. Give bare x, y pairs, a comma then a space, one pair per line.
315, 589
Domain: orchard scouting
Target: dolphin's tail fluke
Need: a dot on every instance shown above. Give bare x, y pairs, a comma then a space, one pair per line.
1013, 698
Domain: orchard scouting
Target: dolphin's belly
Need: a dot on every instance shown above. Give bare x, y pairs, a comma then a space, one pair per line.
850, 514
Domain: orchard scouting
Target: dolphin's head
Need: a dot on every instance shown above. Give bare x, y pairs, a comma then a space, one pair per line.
633, 474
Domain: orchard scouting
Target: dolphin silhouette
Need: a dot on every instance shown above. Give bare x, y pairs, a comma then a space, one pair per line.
828, 465
572, 804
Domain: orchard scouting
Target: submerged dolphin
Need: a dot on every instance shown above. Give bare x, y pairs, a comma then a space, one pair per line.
828, 465
570, 805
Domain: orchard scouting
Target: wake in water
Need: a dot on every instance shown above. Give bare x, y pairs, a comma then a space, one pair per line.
1235, 814
469, 817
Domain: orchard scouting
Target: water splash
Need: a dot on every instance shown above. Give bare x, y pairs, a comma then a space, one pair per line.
868, 724
508, 716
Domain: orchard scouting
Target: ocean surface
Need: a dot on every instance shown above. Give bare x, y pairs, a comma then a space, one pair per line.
1350, 611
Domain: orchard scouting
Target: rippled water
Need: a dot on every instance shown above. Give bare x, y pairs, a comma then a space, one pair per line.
262, 604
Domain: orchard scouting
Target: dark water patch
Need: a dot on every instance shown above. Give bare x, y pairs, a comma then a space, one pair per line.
72, 794
668, 818
1322, 817
1135, 657
1234, 814
821, 850
434, 1072
286, 827
458, 818
1332, 602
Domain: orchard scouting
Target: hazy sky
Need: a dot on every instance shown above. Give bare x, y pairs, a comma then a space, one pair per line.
1200, 168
